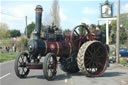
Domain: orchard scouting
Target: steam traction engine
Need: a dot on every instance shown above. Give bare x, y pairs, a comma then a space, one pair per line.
79, 52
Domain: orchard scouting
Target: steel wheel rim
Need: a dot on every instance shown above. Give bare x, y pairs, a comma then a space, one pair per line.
95, 58
51, 69
22, 62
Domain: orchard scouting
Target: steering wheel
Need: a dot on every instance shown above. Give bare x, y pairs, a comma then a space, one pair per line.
78, 33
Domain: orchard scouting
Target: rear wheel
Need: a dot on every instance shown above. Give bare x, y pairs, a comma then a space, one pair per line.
20, 66
49, 66
92, 58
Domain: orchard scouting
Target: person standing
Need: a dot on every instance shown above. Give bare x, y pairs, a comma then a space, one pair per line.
14, 48
98, 33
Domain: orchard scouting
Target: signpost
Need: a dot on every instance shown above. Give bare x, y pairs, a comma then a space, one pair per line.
106, 10
107, 15
107, 27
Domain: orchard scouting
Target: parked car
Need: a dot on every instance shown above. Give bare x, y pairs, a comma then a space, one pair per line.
123, 52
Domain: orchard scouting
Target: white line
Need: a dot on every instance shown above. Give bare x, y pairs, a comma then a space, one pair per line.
5, 75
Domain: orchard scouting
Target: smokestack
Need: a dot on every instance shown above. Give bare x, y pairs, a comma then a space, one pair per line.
37, 30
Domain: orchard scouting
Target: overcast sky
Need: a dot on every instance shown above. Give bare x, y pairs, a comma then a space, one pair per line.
72, 12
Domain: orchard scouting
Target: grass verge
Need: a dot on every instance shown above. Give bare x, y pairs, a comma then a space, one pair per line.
7, 56
124, 62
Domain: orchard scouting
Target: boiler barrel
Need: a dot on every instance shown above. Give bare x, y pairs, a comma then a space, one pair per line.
59, 48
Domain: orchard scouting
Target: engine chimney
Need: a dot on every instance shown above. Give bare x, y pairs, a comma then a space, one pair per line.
37, 30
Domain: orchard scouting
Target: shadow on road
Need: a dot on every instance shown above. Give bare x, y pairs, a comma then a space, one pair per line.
37, 76
77, 74
58, 76
112, 74
68, 76
62, 77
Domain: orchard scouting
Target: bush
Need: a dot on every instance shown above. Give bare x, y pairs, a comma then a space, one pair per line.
126, 43
124, 62
22, 44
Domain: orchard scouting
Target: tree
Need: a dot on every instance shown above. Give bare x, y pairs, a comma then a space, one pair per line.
82, 31
103, 32
3, 30
67, 31
22, 44
123, 34
30, 28
8, 33
124, 20
113, 29
3, 26
14, 33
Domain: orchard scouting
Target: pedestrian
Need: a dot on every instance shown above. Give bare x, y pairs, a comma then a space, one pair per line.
98, 33
8, 48
14, 48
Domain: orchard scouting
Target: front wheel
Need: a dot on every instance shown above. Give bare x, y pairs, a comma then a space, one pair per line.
20, 66
49, 66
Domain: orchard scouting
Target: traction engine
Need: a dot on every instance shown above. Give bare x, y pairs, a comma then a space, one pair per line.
77, 52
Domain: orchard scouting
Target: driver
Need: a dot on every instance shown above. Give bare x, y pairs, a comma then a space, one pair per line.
91, 28
98, 33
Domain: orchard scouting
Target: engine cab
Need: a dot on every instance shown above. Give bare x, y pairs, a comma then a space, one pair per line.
51, 33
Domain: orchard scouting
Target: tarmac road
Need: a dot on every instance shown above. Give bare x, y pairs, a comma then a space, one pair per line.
115, 75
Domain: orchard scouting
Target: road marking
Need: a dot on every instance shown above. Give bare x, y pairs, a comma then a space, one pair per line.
5, 75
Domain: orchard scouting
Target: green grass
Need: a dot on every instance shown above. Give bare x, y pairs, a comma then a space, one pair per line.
123, 62
7, 56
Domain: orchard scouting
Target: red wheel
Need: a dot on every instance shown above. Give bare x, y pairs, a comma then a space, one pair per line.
49, 66
77, 33
21, 61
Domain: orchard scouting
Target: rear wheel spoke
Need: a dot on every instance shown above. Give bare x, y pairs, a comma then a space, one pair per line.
95, 58
87, 62
88, 58
100, 65
89, 52
98, 50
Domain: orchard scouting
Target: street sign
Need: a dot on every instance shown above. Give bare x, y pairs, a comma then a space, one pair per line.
106, 10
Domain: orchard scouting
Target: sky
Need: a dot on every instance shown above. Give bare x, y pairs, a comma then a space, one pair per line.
72, 12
